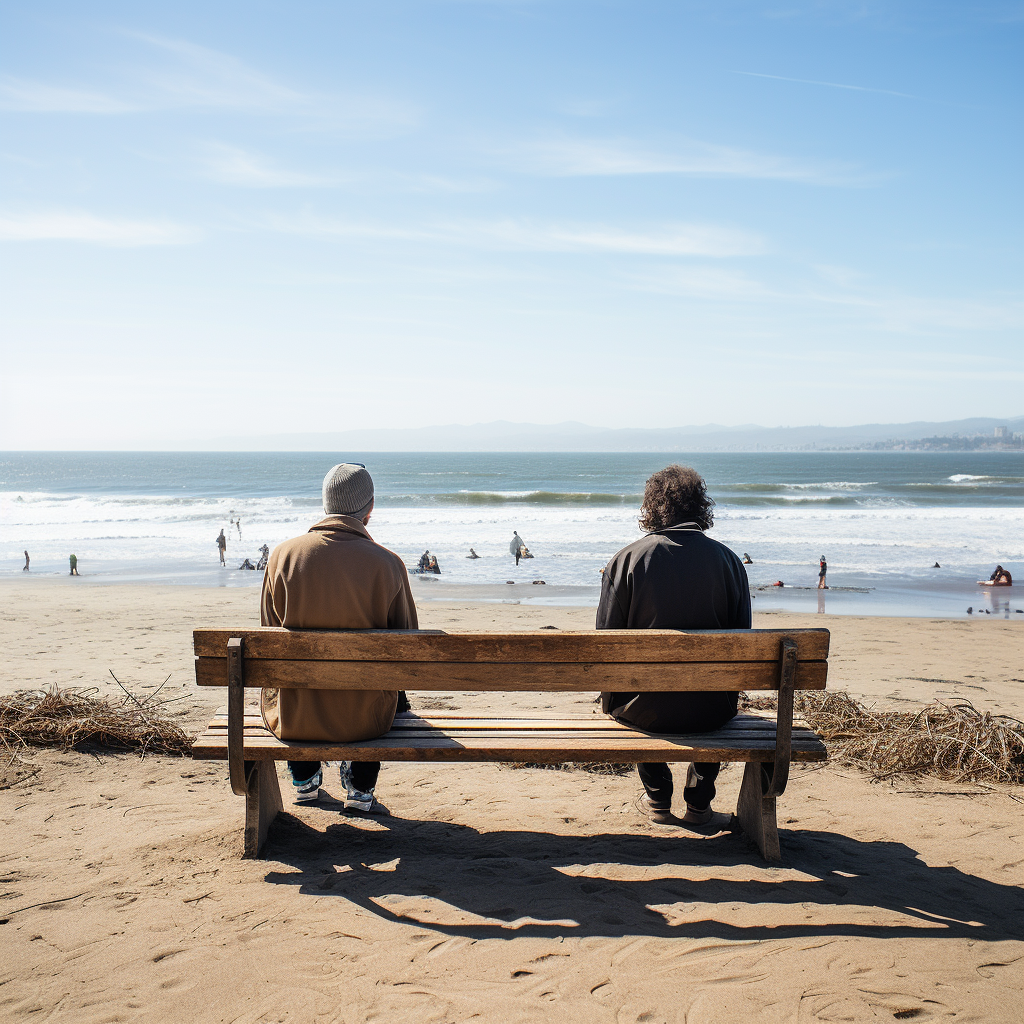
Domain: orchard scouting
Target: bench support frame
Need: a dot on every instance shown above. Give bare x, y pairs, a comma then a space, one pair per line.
755, 809
257, 780
262, 802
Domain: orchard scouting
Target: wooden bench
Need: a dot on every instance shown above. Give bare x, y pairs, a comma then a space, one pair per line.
575, 662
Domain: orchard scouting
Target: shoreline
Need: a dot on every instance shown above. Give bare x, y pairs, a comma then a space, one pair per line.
887, 599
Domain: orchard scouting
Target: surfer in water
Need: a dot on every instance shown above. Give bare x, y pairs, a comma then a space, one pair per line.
516, 546
472, 554
747, 560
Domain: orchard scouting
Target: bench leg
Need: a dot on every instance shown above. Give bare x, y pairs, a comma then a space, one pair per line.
262, 802
756, 814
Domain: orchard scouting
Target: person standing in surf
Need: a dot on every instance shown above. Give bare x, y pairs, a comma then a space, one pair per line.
822, 570
516, 546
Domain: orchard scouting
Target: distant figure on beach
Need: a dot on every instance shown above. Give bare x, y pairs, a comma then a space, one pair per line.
822, 570
432, 565
74, 566
336, 576
1001, 577
525, 552
222, 546
936, 566
747, 559
676, 577
25, 568
424, 565
778, 583
516, 546
238, 523
246, 564
264, 555
472, 554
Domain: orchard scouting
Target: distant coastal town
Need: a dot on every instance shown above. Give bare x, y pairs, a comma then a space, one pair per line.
1001, 440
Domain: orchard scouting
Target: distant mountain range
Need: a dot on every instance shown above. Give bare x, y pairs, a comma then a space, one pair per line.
501, 436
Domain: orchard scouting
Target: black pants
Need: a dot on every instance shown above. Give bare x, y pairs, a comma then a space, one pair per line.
678, 713
364, 773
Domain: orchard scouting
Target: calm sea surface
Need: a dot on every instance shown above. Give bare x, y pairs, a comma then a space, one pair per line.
882, 519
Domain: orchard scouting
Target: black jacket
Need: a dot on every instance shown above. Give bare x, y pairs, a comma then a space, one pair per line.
674, 579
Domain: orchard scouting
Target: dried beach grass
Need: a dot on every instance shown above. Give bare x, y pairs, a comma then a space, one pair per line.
953, 741
948, 740
73, 718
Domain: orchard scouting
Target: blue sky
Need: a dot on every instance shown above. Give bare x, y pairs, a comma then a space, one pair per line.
220, 219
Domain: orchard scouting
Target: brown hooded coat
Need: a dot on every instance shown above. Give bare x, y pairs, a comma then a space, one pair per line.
334, 577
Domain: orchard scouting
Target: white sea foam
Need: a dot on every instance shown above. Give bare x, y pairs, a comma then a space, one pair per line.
173, 536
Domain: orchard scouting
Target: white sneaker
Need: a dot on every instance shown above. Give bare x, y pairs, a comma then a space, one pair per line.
309, 790
355, 799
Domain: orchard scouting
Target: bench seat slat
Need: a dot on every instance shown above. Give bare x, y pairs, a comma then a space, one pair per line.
444, 721
584, 677
491, 750
651, 645
747, 729
748, 737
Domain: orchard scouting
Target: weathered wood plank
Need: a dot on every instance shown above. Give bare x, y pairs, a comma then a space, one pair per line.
262, 804
596, 723
649, 645
488, 752
437, 738
756, 813
480, 676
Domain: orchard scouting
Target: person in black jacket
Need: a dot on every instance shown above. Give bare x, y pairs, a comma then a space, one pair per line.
676, 577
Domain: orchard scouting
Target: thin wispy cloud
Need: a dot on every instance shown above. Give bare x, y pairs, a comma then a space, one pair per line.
829, 85
582, 157
178, 74
882, 310
234, 166
80, 226
531, 236
198, 76
702, 282
41, 98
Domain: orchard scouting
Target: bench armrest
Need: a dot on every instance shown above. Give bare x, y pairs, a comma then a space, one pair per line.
784, 719
236, 717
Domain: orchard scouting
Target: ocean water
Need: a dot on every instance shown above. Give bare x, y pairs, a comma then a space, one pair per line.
882, 519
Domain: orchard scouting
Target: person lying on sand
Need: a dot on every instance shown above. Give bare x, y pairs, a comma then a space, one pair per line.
336, 577
675, 578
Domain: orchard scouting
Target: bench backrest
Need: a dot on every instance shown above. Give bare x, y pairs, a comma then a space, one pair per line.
546, 660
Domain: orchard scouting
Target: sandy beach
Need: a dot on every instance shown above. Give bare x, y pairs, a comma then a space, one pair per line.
492, 893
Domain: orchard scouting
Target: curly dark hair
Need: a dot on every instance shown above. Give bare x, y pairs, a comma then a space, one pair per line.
676, 494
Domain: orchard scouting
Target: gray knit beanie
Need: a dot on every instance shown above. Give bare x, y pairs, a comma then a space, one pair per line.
348, 491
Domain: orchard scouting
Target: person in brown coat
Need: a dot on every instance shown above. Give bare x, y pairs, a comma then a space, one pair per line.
336, 576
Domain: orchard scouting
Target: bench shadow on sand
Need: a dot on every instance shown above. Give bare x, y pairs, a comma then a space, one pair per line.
512, 879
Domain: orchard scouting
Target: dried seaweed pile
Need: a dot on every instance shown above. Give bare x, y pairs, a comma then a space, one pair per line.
74, 718
953, 741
